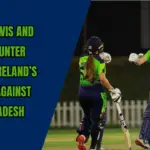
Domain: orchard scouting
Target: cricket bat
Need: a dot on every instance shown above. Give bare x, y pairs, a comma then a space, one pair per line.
124, 127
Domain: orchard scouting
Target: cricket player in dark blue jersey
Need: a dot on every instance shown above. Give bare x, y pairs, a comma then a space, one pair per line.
92, 95
144, 137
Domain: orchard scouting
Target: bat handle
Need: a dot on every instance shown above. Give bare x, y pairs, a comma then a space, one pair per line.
118, 108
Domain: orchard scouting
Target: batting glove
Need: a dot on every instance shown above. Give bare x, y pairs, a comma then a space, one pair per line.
106, 57
140, 55
115, 95
133, 57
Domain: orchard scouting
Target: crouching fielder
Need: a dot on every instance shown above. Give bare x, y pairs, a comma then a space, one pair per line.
91, 91
144, 137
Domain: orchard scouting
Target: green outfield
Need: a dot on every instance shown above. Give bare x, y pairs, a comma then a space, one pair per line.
65, 139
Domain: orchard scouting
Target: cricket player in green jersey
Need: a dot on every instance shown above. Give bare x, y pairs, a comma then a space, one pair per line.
144, 137
92, 95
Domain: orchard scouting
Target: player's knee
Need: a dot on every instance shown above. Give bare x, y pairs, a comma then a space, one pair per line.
95, 119
96, 123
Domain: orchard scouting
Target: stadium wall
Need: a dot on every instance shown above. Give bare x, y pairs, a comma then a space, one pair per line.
145, 24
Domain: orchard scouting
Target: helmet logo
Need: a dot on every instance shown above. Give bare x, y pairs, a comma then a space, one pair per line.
100, 46
90, 47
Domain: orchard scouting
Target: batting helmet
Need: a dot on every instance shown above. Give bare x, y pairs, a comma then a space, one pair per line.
94, 45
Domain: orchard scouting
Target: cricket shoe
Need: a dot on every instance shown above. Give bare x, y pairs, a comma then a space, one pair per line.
81, 142
140, 142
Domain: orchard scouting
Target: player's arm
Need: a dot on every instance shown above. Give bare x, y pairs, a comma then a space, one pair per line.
105, 82
141, 60
144, 58
115, 93
138, 59
102, 76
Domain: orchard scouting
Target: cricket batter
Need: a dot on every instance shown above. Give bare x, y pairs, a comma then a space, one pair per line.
91, 91
103, 119
144, 137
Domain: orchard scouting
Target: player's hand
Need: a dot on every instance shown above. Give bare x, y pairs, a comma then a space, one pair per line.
106, 57
140, 55
115, 95
133, 57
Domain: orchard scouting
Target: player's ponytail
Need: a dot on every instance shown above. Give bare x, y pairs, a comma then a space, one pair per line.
93, 46
90, 69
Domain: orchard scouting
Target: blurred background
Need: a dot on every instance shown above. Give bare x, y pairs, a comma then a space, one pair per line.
124, 27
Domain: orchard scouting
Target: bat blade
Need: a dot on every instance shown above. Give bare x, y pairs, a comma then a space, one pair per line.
124, 127
127, 137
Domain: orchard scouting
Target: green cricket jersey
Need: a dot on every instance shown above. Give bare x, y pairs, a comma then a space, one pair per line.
100, 68
94, 88
147, 55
